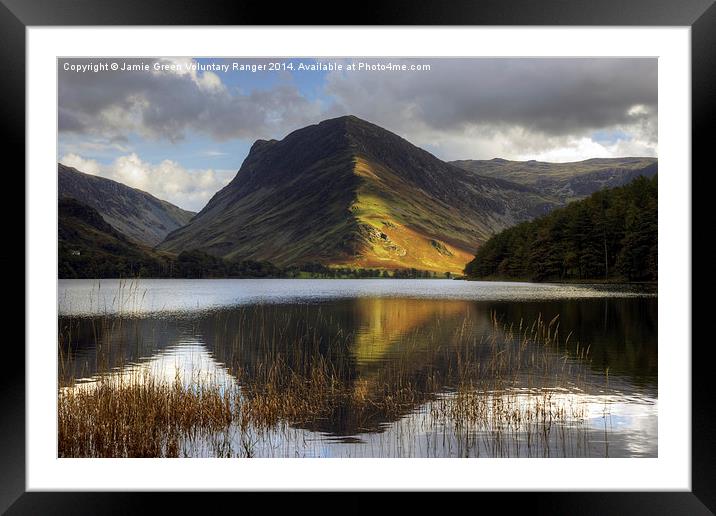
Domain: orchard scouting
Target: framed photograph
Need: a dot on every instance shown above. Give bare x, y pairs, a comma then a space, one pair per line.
439, 248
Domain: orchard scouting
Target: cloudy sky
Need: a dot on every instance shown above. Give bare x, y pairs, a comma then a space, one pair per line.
182, 131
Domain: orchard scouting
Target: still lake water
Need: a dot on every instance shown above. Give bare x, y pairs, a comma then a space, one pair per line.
602, 369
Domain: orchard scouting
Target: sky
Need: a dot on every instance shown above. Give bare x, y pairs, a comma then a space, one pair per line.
179, 128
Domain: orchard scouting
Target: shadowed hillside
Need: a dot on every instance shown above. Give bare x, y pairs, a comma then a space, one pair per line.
137, 214
88, 247
347, 192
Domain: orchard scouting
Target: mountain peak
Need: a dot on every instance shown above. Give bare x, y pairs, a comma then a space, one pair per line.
261, 144
348, 192
350, 125
345, 119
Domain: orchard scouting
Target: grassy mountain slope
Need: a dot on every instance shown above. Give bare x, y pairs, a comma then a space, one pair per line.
565, 181
137, 214
347, 192
89, 247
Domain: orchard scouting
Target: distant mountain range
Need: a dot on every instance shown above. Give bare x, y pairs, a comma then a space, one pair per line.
565, 181
134, 213
348, 193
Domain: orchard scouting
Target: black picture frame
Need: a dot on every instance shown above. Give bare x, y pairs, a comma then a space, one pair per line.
700, 15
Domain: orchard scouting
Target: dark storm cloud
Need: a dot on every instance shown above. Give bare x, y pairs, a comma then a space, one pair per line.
460, 108
549, 96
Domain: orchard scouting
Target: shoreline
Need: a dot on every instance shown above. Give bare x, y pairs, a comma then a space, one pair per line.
458, 278
563, 282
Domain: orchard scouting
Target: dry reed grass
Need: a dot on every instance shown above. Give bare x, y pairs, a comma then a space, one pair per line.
502, 385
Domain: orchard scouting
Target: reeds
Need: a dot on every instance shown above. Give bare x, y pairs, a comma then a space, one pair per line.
138, 416
517, 389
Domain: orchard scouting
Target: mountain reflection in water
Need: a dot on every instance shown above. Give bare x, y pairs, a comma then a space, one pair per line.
418, 352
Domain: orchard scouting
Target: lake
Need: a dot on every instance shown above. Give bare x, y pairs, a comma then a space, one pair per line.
366, 368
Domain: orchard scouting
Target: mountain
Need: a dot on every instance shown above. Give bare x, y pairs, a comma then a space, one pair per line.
88, 247
611, 235
347, 192
137, 214
565, 181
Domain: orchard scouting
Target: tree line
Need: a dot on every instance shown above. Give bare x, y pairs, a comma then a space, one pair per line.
124, 262
611, 235
318, 270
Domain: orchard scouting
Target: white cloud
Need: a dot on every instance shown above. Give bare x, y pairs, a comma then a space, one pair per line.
518, 143
168, 180
95, 147
582, 148
207, 81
